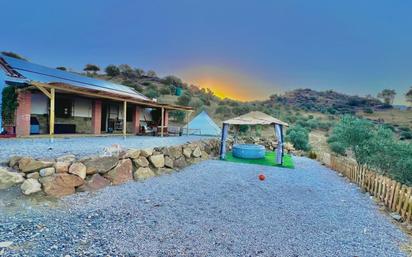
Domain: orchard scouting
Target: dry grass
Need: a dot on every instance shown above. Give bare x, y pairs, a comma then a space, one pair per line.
401, 118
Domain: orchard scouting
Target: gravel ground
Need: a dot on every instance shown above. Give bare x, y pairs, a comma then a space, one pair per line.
213, 208
81, 146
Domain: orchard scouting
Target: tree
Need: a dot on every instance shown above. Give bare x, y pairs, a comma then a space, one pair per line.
61, 68
112, 70
172, 80
299, 137
139, 72
151, 74
409, 96
9, 105
13, 55
387, 95
93, 68
184, 99
127, 71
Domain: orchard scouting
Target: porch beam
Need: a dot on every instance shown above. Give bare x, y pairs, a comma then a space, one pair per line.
52, 110
162, 123
124, 117
41, 88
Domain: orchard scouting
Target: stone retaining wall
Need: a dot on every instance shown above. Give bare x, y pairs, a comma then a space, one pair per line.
67, 174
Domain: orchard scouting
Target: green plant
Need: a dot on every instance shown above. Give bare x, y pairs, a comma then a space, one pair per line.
299, 137
9, 104
312, 155
112, 70
152, 93
337, 147
179, 116
184, 99
368, 110
405, 135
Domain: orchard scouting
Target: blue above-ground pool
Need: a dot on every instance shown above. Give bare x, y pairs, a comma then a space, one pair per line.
248, 151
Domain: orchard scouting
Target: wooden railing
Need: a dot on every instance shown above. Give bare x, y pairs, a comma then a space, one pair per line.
394, 195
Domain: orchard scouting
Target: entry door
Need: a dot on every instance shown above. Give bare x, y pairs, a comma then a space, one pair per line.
105, 117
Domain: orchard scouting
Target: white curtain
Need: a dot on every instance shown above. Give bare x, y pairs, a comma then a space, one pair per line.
225, 129
279, 149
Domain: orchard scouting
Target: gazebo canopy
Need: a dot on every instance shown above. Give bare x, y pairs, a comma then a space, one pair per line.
255, 118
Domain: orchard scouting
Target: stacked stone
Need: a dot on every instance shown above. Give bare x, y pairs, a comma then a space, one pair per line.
67, 174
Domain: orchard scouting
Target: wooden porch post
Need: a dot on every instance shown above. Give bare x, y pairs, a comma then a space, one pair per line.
162, 123
52, 110
124, 117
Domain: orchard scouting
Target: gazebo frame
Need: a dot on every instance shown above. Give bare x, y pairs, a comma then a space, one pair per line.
255, 118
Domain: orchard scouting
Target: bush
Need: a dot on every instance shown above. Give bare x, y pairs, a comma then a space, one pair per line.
299, 137
406, 135
9, 105
184, 99
151, 93
368, 110
312, 155
178, 115
165, 91
112, 71
223, 110
338, 148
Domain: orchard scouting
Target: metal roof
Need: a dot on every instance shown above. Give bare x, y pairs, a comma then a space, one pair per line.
38, 73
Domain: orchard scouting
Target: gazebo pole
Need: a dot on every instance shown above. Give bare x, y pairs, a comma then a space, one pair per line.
279, 148
225, 129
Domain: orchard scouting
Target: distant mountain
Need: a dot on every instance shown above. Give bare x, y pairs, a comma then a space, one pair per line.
327, 101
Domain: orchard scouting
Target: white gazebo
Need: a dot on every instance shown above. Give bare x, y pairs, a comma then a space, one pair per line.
255, 118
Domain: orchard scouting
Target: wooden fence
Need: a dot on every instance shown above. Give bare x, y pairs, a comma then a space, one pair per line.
396, 196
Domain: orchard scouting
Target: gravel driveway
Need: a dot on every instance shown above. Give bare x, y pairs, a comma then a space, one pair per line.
213, 208
81, 146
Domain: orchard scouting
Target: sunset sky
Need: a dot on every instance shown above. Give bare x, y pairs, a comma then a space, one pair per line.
240, 49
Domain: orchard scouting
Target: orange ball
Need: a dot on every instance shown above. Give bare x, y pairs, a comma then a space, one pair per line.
262, 177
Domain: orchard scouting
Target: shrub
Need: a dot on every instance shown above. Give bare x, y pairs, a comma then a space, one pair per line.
299, 137
338, 148
368, 110
405, 135
224, 110
112, 70
184, 99
9, 104
312, 155
165, 91
178, 115
152, 93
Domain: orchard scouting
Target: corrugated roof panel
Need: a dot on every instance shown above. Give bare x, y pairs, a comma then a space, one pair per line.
38, 73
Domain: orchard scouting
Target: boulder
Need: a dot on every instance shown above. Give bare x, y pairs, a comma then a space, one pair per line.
132, 154
14, 160
187, 152
96, 182
66, 158
28, 164
100, 164
168, 162
34, 175
162, 171
146, 152
141, 162
78, 169
157, 160
197, 152
62, 167
121, 173
113, 150
173, 152
143, 173
47, 172
30, 186
61, 184
180, 163
9, 178
204, 156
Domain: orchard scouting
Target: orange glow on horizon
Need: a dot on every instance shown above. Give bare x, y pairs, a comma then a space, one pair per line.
224, 83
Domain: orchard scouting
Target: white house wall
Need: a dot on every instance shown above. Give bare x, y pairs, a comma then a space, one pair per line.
82, 107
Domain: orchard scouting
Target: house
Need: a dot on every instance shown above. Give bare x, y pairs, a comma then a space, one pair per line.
53, 101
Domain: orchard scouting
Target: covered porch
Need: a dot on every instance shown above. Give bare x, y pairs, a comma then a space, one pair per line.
55, 108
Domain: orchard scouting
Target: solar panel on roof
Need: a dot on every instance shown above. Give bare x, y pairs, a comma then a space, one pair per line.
39, 73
